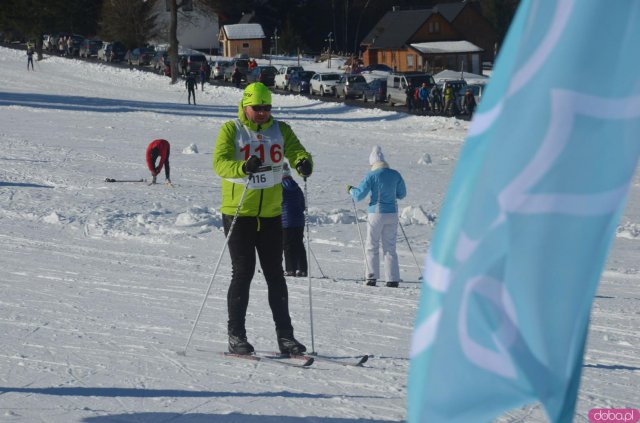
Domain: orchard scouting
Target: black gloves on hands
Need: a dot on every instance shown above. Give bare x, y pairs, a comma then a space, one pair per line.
304, 168
251, 165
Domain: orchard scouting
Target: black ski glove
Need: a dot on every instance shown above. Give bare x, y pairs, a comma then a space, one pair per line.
252, 165
304, 168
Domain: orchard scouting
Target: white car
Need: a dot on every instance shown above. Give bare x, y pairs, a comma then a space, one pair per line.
282, 78
324, 83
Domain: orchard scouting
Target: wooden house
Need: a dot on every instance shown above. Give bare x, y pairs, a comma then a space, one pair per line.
244, 38
447, 36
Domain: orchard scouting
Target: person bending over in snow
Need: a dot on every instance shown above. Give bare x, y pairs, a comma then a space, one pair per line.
386, 186
249, 154
159, 148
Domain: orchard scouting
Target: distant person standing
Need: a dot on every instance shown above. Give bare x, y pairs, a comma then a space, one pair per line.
435, 99
190, 83
69, 46
159, 149
386, 187
423, 95
410, 92
295, 255
203, 75
449, 100
469, 102
30, 52
236, 77
61, 45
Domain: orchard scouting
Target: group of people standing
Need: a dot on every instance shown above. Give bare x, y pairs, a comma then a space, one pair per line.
263, 213
425, 99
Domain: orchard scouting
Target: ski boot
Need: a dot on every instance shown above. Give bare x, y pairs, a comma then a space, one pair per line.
238, 344
288, 344
392, 284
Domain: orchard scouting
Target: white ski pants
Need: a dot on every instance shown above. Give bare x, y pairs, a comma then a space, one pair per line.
382, 227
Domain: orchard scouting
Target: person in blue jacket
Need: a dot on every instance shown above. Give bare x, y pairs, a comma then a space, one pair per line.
386, 187
295, 255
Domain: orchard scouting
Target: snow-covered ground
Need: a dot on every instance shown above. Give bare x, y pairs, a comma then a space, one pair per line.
101, 282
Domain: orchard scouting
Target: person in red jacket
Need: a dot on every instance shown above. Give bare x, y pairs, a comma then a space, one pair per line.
159, 148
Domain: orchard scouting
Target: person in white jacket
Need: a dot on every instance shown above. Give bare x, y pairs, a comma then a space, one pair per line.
386, 187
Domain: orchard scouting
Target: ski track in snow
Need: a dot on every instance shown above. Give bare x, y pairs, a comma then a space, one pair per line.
101, 281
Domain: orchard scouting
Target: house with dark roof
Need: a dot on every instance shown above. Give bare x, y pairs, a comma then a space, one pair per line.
447, 36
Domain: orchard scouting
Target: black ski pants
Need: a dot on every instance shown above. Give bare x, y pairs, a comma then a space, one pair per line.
155, 153
295, 255
264, 236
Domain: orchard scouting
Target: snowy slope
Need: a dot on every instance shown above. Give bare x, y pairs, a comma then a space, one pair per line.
101, 282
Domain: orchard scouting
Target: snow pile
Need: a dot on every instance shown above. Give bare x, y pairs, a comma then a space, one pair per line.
628, 230
190, 149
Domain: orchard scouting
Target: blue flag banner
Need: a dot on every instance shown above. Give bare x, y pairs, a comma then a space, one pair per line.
529, 217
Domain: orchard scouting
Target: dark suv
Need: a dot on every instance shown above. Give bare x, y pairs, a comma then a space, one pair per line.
89, 48
264, 74
240, 63
191, 63
141, 56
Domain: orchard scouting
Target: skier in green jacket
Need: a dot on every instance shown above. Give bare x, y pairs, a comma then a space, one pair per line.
250, 151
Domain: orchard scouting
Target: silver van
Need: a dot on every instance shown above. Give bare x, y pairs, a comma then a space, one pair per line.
398, 82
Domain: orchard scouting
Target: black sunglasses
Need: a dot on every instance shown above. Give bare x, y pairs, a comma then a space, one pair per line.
263, 108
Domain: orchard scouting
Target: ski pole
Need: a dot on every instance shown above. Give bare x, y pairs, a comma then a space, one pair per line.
224, 247
306, 222
317, 262
410, 249
364, 253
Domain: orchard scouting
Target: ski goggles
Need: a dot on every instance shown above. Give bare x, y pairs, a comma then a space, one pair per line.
262, 108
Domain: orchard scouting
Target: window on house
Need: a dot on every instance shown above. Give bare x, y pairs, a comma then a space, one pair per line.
436, 27
245, 45
410, 61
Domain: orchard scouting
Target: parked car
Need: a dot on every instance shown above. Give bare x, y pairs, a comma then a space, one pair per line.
89, 48
237, 62
49, 42
189, 63
76, 42
398, 82
350, 85
102, 51
376, 67
264, 74
282, 78
159, 60
324, 83
218, 67
375, 91
140, 56
299, 81
112, 52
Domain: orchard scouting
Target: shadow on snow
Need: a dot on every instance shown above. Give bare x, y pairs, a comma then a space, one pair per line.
220, 418
157, 393
108, 105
